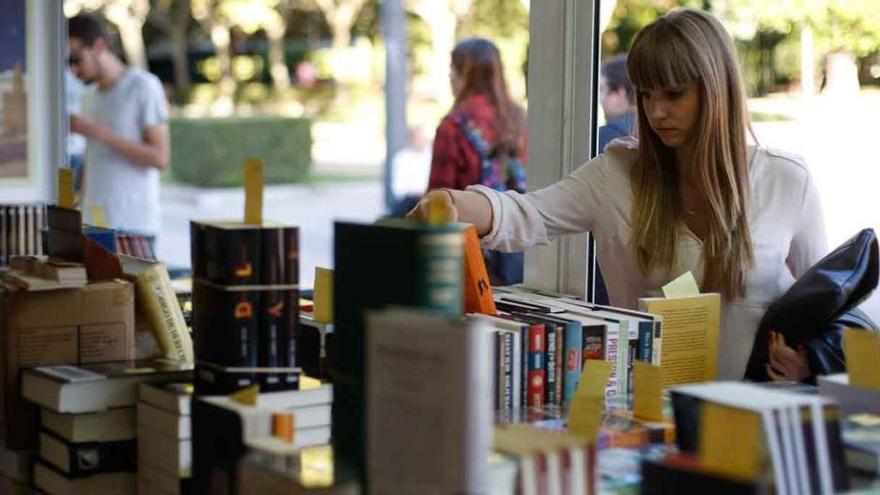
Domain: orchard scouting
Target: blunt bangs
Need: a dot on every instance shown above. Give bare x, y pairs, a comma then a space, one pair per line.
661, 58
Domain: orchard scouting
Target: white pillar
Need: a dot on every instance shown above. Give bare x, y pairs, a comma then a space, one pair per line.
563, 50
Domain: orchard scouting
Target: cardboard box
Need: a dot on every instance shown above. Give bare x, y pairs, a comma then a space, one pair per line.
71, 326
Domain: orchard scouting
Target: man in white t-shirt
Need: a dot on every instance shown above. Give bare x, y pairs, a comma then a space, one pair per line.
125, 120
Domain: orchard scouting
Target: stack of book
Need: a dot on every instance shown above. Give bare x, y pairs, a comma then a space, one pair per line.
548, 462
34, 273
280, 422
542, 340
245, 306
164, 437
87, 427
756, 434
53, 327
21, 231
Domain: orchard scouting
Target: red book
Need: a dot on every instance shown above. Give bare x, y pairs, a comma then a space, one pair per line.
536, 366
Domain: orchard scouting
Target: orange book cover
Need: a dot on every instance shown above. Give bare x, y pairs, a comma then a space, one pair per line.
477, 291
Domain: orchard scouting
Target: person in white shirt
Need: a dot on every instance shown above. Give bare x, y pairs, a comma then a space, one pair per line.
689, 194
125, 121
411, 167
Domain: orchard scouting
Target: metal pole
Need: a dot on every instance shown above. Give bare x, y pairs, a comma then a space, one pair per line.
394, 27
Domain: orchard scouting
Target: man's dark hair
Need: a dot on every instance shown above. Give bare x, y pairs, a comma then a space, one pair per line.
614, 72
87, 28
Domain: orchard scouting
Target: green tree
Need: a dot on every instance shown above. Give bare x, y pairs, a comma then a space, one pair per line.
842, 29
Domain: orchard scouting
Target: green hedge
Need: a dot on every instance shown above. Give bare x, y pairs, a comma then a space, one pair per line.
210, 152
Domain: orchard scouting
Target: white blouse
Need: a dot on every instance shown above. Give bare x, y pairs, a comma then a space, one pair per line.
785, 217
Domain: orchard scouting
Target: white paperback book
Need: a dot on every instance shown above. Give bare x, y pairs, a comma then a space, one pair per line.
429, 418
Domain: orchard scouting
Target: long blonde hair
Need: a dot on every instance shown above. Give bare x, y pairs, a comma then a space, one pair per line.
685, 47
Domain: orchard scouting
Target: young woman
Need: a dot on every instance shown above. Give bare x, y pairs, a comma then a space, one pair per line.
690, 194
482, 139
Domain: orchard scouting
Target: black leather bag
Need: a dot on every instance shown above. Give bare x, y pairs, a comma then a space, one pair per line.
816, 309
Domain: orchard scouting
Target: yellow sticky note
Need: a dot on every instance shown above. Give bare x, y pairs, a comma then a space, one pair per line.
323, 295
247, 396
594, 378
65, 188
862, 349
730, 441
99, 217
648, 391
588, 403
585, 417
683, 286
253, 191
438, 209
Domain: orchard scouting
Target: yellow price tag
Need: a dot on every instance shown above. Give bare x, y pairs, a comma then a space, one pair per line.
862, 349
588, 403
65, 188
439, 209
730, 441
99, 217
247, 396
323, 295
253, 191
647, 391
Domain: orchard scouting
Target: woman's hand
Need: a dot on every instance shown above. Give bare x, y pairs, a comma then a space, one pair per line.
785, 362
435, 207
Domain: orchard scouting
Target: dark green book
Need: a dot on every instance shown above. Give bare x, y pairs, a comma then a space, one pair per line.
393, 263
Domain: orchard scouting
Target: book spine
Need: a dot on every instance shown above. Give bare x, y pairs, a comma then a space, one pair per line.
279, 259
440, 264
279, 327
525, 359
646, 341
573, 344
611, 355
535, 397
88, 458
551, 365
632, 355
496, 370
657, 349
560, 362
593, 342
517, 366
226, 256
4, 258
507, 355
159, 303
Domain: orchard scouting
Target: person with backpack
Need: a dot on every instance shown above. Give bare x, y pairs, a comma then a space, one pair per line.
482, 140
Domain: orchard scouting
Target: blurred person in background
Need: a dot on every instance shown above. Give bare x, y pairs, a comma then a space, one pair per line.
125, 122
411, 167
482, 140
618, 100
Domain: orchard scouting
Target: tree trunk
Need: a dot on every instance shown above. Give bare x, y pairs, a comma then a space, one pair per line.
841, 74
180, 51
131, 35
129, 16
808, 74
277, 63
443, 22
222, 45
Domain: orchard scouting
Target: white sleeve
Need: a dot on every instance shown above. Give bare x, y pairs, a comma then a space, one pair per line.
569, 206
808, 242
154, 111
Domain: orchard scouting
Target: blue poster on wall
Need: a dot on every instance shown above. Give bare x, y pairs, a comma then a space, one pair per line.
13, 97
